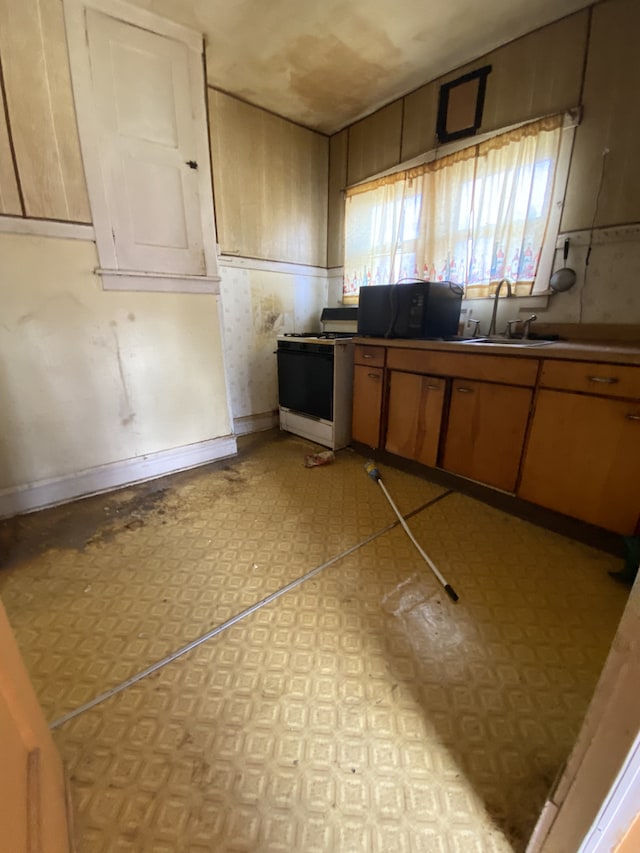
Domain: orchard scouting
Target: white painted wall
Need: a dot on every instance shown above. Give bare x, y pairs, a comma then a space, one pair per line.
89, 377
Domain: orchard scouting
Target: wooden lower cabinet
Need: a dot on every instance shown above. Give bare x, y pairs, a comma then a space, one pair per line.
368, 389
582, 452
415, 414
583, 459
486, 431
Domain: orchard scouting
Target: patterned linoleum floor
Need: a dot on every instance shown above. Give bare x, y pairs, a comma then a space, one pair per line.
360, 711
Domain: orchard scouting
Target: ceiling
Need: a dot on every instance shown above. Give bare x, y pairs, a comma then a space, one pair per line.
326, 64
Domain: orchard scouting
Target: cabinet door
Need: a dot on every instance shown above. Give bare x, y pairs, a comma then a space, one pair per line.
147, 137
486, 430
367, 404
583, 459
414, 417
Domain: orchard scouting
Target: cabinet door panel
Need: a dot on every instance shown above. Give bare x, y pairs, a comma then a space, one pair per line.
415, 415
583, 459
367, 404
486, 430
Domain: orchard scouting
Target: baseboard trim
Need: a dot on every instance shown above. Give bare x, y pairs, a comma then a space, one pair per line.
103, 478
255, 423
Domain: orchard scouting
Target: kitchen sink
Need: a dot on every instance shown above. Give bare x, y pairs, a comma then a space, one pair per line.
512, 342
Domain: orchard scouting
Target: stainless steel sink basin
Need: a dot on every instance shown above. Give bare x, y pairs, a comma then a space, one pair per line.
511, 342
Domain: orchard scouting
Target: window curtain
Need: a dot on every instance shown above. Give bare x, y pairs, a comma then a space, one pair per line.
382, 227
473, 217
447, 216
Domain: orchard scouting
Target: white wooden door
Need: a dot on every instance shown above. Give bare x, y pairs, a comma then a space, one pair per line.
604, 744
142, 99
33, 815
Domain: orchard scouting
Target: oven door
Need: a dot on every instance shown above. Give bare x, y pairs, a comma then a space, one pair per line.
305, 378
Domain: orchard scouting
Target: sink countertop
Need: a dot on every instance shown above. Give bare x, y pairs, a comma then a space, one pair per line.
612, 352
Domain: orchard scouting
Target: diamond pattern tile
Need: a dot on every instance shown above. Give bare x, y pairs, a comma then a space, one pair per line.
361, 712
254, 742
221, 539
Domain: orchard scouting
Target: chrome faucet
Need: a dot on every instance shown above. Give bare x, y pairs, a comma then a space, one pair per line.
526, 326
494, 313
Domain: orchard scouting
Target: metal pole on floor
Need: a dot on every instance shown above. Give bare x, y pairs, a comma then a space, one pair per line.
373, 472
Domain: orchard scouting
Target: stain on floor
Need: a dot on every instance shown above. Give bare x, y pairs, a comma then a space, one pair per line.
99, 517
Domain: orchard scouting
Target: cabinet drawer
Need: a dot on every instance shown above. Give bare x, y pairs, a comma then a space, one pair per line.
610, 380
371, 356
490, 368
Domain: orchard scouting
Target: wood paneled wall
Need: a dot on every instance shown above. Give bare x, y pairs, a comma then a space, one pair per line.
270, 181
419, 121
374, 142
533, 76
10, 202
611, 121
33, 51
338, 150
538, 74
270, 175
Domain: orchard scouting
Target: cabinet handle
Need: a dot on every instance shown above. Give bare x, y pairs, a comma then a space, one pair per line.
633, 417
604, 380
374, 376
433, 387
367, 355
462, 390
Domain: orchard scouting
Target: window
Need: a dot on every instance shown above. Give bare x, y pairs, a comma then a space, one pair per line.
473, 217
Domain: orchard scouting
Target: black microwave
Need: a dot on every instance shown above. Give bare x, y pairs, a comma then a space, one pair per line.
417, 309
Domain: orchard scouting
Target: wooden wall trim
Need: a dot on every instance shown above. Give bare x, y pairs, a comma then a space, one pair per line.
587, 46
46, 228
7, 118
238, 262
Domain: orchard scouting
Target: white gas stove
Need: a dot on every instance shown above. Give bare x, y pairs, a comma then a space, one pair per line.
315, 385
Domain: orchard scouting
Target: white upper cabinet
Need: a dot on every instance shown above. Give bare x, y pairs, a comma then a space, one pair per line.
140, 95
